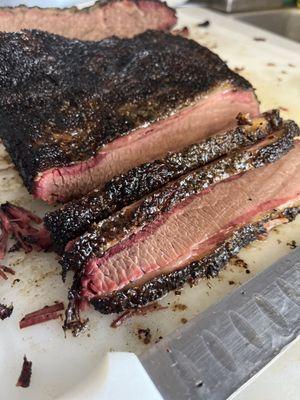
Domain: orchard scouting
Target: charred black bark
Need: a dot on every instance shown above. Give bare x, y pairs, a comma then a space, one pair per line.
75, 217
62, 100
106, 233
207, 267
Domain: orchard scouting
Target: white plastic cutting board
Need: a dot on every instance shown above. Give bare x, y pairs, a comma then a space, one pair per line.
59, 364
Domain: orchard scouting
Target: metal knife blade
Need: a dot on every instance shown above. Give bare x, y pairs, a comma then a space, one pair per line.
222, 348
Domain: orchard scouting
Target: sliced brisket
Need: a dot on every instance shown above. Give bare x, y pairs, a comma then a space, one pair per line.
207, 267
74, 114
123, 18
191, 230
186, 219
75, 217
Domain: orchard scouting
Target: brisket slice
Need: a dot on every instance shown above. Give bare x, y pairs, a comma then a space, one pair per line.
136, 225
207, 267
123, 18
192, 229
75, 217
74, 114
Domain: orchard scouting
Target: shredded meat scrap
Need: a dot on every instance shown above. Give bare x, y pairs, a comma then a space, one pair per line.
22, 225
25, 376
121, 319
4, 269
45, 314
5, 311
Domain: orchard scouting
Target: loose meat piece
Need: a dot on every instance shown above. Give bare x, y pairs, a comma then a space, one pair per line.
75, 114
5, 230
123, 18
5, 311
186, 229
4, 269
25, 376
121, 319
21, 224
133, 221
73, 321
75, 217
45, 314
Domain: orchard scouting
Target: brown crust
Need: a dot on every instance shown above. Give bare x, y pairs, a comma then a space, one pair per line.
74, 218
63, 100
207, 267
100, 237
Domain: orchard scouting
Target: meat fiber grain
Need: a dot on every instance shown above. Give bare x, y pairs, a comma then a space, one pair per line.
75, 114
133, 223
123, 18
75, 217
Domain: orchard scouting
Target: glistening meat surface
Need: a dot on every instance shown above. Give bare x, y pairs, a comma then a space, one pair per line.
123, 18
75, 217
74, 114
207, 267
105, 234
194, 227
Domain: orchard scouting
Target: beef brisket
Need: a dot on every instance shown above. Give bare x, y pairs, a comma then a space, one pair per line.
207, 267
75, 217
191, 231
123, 18
74, 114
186, 219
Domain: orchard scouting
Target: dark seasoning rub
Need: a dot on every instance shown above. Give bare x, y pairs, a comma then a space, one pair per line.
62, 100
103, 235
208, 267
75, 217
58, 118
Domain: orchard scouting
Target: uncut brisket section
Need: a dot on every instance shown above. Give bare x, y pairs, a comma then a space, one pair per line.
75, 217
123, 18
74, 114
134, 224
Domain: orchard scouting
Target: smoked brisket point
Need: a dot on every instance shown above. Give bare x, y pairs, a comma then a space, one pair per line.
207, 267
123, 18
133, 224
75, 114
75, 217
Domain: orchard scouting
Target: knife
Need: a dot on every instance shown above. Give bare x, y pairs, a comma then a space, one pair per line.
220, 349
215, 353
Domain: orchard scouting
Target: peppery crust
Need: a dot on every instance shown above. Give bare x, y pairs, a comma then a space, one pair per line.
103, 235
75, 217
207, 267
63, 100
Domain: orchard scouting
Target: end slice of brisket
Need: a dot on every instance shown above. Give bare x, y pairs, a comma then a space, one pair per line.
186, 220
209, 266
75, 114
75, 217
123, 18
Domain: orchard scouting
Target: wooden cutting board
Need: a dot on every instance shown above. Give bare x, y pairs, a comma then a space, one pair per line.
60, 363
